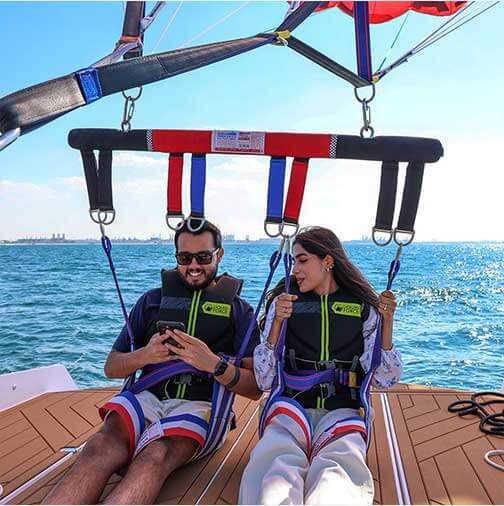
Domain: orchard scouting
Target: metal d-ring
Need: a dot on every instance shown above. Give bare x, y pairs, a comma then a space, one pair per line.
381, 230
195, 229
269, 234
410, 233
288, 236
9, 137
102, 217
367, 100
179, 225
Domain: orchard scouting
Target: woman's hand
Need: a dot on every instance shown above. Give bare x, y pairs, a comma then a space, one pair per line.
192, 350
283, 306
387, 305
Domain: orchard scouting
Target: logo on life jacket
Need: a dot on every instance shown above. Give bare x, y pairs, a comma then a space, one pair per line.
347, 309
216, 309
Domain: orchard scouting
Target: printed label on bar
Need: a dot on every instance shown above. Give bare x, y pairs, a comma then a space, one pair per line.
231, 141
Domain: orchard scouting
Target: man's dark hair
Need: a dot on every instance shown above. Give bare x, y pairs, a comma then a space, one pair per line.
207, 227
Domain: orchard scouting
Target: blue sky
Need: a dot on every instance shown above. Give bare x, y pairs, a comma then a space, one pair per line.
451, 91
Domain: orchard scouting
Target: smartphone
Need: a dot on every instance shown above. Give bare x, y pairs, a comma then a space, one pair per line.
163, 325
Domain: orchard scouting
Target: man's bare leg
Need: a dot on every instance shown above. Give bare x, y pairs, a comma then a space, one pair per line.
149, 470
104, 453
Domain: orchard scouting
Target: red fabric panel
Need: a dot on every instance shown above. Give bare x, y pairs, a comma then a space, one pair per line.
174, 188
297, 145
381, 12
181, 141
296, 190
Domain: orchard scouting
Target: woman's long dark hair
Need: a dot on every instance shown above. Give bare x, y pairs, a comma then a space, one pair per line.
321, 242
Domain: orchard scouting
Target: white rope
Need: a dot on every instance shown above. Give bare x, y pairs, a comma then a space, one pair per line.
213, 25
493, 453
170, 21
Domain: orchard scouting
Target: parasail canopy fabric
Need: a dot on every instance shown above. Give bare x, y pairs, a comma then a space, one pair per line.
381, 12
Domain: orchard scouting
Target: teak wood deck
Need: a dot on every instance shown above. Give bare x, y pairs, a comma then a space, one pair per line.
438, 454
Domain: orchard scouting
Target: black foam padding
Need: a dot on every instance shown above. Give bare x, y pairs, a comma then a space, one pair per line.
106, 138
411, 196
37, 105
149, 69
388, 148
387, 197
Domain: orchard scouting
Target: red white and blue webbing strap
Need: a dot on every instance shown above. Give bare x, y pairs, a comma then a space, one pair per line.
186, 425
337, 430
126, 405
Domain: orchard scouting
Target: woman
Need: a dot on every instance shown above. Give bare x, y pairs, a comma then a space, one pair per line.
332, 314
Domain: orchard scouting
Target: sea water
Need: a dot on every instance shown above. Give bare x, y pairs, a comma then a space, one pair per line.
58, 304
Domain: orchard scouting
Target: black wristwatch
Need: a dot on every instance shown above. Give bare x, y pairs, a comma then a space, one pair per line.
221, 367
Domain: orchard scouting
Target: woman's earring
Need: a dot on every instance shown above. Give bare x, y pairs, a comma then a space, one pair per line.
329, 267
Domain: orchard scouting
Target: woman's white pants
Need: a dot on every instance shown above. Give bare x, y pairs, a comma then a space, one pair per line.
279, 471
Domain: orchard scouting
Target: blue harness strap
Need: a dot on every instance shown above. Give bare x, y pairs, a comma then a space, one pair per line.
276, 183
198, 181
362, 40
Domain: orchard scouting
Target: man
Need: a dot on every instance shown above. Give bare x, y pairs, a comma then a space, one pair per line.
217, 318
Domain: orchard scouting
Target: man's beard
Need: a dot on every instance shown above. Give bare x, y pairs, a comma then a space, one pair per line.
199, 286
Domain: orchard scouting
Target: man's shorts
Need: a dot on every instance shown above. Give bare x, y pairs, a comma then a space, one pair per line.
154, 409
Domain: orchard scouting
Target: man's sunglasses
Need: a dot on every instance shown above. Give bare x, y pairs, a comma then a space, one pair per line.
202, 257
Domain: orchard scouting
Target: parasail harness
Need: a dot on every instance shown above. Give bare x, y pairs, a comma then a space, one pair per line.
282, 220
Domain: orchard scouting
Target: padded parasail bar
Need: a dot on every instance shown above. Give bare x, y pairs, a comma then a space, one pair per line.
298, 145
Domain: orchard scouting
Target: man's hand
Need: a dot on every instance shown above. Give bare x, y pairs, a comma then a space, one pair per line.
192, 351
156, 351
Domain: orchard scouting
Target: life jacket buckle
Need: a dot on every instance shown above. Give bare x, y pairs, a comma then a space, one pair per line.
352, 379
327, 365
183, 379
327, 390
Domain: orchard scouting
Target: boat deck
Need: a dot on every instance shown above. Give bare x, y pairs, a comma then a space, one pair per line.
420, 454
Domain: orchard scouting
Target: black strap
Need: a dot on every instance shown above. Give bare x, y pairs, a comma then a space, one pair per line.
133, 15
292, 359
295, 18
387, 198
411, 197
98, 179
325, 62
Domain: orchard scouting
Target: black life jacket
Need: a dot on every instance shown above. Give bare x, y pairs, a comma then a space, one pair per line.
326, 331
207, 315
